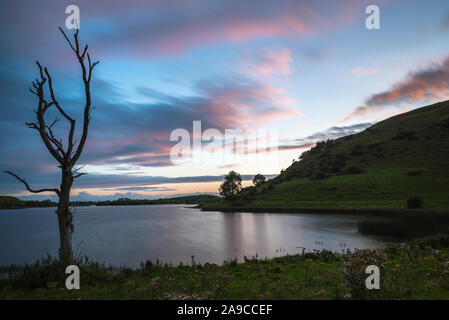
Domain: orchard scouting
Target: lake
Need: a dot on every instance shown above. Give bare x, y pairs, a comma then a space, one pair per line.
127, 235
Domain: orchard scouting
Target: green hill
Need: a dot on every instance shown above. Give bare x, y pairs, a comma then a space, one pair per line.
381, 167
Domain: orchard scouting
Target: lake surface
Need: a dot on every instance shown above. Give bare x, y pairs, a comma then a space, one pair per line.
127, 235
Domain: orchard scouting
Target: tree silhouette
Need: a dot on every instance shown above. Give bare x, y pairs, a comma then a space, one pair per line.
231, 186
66, 157
259, 179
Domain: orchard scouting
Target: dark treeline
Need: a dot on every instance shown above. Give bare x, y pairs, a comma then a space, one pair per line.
7, 202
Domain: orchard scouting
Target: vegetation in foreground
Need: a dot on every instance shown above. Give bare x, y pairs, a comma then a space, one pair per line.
417, 270
401, 162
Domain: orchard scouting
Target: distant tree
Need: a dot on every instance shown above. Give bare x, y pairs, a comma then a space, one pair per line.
231, 186
258, 179
68, 156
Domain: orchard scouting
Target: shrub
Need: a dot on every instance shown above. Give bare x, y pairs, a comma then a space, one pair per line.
414, 202
259, 179
353, 271
51, 272
353, 170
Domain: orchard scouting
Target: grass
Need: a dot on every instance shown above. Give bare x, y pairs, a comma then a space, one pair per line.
410, 271
373, 189
380, 167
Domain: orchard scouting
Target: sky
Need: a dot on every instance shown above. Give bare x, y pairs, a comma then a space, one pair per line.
180, 80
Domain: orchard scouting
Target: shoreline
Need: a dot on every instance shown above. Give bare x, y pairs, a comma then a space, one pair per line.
302, 276
314, 210
374, 211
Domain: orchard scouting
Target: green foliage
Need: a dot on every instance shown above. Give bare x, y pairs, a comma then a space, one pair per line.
231, 186
50, 272
354, 266
414, 202
258, 180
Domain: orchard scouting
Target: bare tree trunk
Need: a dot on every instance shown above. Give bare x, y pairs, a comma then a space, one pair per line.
65, 218
66, 157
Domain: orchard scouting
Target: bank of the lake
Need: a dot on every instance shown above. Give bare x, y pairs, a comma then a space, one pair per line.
416, 270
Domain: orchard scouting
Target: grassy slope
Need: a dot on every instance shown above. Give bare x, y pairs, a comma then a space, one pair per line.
403, 155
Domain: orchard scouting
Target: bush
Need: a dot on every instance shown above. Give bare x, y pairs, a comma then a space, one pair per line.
353, 170
354, 272
414, 202
51, 272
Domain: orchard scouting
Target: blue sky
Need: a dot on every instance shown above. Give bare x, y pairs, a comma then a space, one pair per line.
308, 70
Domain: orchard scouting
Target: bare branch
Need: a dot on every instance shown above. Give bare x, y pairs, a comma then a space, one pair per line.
76, 173
79, 175
84, 52
43, 105
65, 36
64, 114
57, 143
28, 187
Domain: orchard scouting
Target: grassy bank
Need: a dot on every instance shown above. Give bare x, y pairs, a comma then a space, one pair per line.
410, 271
377, 189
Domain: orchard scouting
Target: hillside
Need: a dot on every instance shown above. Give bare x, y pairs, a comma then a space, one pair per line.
381, 167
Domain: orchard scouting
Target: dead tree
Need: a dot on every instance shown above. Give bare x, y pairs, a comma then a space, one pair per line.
65, 156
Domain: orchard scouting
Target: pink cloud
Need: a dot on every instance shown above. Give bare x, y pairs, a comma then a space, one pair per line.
430, 84
275, 63
226, 21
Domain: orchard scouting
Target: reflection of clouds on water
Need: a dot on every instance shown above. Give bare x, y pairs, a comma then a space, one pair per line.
174, 233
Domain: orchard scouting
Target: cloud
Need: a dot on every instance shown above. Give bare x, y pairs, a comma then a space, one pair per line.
144, 189
142, 130
86, 196
119, 182
429, 84
275, 63
363, 71
330, 133
146, 29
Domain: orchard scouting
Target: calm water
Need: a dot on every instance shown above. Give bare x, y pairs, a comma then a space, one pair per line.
173, 233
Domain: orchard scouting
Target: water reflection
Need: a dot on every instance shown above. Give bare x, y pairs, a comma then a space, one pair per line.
174, 233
